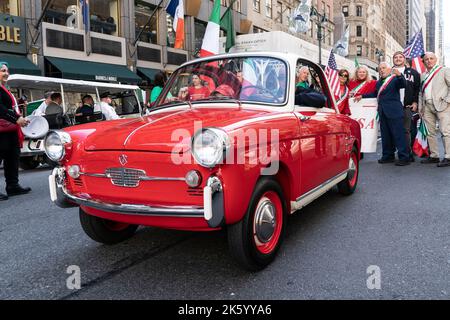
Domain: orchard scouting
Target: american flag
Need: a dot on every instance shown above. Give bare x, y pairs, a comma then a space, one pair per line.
414, 50
332, 73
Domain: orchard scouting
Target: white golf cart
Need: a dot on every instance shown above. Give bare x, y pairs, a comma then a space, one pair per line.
126, 101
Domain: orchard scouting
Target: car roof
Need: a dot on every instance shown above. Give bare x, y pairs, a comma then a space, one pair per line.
47, 83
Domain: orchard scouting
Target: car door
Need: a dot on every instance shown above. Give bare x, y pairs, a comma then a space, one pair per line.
322, 136
321, 146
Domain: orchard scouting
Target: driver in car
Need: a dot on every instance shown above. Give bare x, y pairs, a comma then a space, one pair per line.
196, 91
223, 90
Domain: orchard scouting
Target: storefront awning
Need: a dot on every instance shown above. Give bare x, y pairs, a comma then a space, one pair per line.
19, 64
91, 71
148, 74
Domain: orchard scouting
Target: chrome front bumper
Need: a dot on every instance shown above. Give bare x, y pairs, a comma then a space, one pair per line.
32, 147
212, 212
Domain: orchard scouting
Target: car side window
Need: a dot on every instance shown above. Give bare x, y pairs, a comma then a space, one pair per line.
309, 86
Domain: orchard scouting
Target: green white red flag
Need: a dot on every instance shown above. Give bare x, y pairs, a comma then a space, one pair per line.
211, 45
420, 147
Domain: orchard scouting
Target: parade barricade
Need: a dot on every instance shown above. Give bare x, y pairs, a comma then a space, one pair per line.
366, 113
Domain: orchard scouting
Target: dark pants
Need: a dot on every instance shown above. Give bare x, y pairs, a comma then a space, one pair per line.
392, 138
407, 120
10, 153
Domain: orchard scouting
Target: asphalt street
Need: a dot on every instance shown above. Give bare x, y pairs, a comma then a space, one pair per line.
398, 220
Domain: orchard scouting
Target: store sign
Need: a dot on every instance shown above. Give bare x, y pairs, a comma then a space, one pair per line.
106, 78
12, 34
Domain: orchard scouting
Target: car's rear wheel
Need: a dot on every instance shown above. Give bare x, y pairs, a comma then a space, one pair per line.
256, 239
348, 186
28, 163
106, 231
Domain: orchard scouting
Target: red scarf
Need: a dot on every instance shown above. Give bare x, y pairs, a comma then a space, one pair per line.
14, 107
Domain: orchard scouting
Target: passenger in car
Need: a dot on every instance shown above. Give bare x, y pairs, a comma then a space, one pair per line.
302, 78
197, 90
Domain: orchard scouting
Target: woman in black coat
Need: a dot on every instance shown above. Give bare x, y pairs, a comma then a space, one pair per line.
11, 136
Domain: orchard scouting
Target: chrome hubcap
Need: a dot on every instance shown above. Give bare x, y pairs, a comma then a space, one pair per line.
351, 169
265, 220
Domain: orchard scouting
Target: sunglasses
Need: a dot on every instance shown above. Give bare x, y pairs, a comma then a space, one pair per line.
343, 75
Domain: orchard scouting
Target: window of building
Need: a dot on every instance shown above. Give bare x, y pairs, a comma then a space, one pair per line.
288, 14
9, 7
199, 30
359, 31
257, 5
345, 11
279, 12
171, 33
143, 11
359, 11
63, 12
269, 8
258, 30
104, 16
359, 51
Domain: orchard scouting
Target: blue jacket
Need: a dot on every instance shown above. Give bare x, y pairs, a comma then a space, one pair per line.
389, 101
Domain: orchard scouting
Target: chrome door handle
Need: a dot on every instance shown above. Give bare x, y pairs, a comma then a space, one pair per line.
304, 118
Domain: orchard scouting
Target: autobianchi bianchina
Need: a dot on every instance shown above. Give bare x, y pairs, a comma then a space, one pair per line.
121, 174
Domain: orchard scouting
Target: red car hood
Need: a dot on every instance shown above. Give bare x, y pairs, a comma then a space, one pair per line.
166, 129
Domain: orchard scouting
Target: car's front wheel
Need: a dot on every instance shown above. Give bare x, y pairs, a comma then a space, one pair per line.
106, 231
256, 239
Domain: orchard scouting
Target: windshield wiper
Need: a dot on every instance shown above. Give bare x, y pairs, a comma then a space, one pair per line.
219, 99
170, 104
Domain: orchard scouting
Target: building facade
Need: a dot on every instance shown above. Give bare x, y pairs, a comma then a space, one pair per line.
435, 23
415, 18
132, 39
377, 28
273, 15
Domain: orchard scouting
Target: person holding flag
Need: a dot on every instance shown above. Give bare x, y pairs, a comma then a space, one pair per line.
342, 100
435, 107
390, 109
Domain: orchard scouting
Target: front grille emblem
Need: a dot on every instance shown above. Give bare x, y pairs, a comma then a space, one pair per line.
123, 159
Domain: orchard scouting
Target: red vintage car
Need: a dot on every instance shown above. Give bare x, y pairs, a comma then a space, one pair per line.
232, 142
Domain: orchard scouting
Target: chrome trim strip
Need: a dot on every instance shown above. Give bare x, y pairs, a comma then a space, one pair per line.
314, 194
144, 210
146, 178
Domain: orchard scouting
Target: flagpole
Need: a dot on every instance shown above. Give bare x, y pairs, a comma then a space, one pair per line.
148, 22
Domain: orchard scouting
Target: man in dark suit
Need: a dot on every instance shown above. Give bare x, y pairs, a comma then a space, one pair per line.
409, 96
390, 110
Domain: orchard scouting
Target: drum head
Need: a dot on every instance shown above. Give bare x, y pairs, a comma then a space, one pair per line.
37, 128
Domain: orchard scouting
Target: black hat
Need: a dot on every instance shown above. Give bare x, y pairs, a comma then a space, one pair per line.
105, 95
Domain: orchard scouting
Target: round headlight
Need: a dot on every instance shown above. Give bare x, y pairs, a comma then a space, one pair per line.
209, 147
54, 145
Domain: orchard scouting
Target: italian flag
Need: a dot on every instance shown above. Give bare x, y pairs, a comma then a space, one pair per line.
211, 45
420, 146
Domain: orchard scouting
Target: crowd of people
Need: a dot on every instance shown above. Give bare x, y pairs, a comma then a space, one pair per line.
401, 93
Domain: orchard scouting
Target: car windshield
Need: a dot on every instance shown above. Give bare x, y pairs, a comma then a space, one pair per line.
244, 79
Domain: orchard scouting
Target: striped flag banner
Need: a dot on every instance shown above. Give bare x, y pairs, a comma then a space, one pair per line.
211, 45
414, 50
176, 9
420, 147
332, 73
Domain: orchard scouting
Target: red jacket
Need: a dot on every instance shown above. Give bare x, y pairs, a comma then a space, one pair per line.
369, 88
